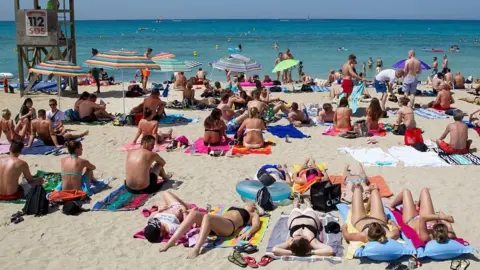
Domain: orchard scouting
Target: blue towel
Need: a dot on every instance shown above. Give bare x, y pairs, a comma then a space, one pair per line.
288, 130
429, 114
469, 124
95, 187
171, 119
39, 148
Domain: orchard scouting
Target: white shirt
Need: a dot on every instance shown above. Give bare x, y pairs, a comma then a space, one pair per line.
386, 75
168, 219
59, 116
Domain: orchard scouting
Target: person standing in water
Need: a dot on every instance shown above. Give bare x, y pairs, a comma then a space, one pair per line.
370, 63
287, 74
412, 70
146, 72
240, 47
434, 66
275, 46
278, 60
445, 64
379, 65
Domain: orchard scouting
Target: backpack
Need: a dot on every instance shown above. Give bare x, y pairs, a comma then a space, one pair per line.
36, 203
264, 199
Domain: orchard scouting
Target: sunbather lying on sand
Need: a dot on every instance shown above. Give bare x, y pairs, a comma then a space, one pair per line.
475, 117
148, 126
474, 100
350, 180
224, 225
307, 173
304, 226
428, 224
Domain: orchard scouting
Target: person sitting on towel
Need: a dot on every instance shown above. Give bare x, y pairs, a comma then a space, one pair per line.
106, 78
350, 180
374, 113
428, 224
257, 103
326, 116
265, 96
141, 177
42, 128
304, 228
89, 111
154, 103
251, 130
369, 224
296, 114
308, 172
224, 225
225, 107
149, 126
76, 171
406, 117
166, 222
459, 142
180, 81
306, 80
341, 118
215, 128
11, 168
84, 96
57, 117
444, 98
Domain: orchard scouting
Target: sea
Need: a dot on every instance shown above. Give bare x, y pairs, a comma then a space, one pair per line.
315, 42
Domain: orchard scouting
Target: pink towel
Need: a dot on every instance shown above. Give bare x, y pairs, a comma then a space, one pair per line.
158, 148
4, 147
201, 148
330, 132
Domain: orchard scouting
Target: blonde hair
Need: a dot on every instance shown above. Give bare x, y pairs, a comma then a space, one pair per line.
253, 112
6, 112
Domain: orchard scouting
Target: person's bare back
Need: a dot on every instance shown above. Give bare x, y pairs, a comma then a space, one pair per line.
11, 168
458, 135
155, 104
260, 105
444, 99
407, 117
42, 128
342, 118
413, 67
137, 168
87, 108
148, 127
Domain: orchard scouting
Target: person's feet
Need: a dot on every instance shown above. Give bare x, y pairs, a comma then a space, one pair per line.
167, 176
85, 133
193, 253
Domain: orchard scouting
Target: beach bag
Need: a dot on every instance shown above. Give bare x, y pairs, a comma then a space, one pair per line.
264, 199
413, 136
36, 203
325, 196
275, 89
361, 128
277, 82
306, 88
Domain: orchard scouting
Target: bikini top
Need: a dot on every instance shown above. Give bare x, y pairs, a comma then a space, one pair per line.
72, 173
314, 229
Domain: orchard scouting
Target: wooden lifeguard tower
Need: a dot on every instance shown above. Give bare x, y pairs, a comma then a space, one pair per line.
44, 33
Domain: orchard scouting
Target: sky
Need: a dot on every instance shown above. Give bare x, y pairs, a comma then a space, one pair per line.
263, 9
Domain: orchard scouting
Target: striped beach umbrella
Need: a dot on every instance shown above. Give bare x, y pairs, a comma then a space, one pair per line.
163, 55
236, 65
172, 65
240, 57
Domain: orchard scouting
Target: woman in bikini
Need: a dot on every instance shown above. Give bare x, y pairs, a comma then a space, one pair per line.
374, 113
31, 113
341, 118
307, 173
371, 225
224, 225
406, 117
304, 228
428, 224
251, 130
76, 171
148, 126
215, 128
7, 126
350, 180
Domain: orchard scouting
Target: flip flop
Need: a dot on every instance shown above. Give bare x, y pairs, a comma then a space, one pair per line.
265, 260
250, 261
148, 212
237, 259
464, 264
455, 264
232, 260
247, 248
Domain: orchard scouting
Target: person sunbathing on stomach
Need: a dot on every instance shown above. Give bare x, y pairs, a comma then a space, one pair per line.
251, 130
304, 227
371, 225
74, 168
148, 126
341, 118
428, 224
459, 142
224, 225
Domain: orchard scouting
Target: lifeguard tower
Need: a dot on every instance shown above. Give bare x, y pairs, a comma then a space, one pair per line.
44, 33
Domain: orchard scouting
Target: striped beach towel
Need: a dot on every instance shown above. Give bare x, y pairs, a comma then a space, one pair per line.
430, 114
121, 200
465, 159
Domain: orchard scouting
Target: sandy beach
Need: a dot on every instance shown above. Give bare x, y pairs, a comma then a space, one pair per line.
103, 240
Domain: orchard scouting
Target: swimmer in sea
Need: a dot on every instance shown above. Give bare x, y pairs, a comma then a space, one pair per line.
275, 46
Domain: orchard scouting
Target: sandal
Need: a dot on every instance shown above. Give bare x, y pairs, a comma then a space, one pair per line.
250, 261
455, 264
265, 260
148, 212
246, 248
236, 258
464, 264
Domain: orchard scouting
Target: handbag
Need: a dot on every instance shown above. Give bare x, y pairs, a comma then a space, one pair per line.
325, 196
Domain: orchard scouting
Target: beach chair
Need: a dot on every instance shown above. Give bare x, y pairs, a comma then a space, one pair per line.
165, 93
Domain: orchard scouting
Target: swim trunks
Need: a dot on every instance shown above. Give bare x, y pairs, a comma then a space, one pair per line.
15, 196
153, 187
347, 86
410, 84
447, 148
89, 118
380, 87
232, 125
60, 139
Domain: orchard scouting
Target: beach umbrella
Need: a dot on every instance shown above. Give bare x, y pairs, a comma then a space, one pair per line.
163, 55
192, 64
60, 69
401, 65
121, 60
236, 64
240, 57
285, 64
172, 65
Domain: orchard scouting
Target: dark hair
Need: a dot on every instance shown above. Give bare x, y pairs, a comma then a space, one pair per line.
244, 95
147, 139
84, 95
440, 75
294, 106
374, 111
343, 102
376, 232
300, 247
27, 100
24, 110
16, 147
327, 107
42, 112
440, 233
52, 100
225, 97
152, 233
149, 50
200, 69
218, 85
256, 94
147, 113
92, 96
214, 116
404, 101
155, 92
258, 84
352, 57
434, 58
72, 146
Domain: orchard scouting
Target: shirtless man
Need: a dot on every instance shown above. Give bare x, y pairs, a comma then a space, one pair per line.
459, 81
287, 74
180, 81
370, 63
434, 66
296, 115
265, 96
306, 79
262, 107
89, 111
154, 103
7, 126
379, 65
201, 76
189, 95
405, 114
140, 176
412, 70
445, 64
459, 142
444, 98
449, 77
349, 73
226, 107
278, 60
326, 115
11, 168
437, 81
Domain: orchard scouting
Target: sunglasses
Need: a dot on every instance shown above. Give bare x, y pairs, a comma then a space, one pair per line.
51, 105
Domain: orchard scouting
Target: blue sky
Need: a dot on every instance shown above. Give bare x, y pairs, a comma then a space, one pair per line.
269, 9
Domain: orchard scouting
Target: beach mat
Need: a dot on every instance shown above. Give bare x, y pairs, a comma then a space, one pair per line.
121, 200
429, 114
201, 148
382, 185
241, 150
37, 148
172, 119
280, 234
370, 156
158, 148
287, 130
465, 159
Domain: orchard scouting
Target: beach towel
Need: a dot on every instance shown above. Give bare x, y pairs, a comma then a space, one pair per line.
280, 234
331, 131
121, 200
465, 159
354, 100
370, 156
317, 88
378, 180
429, 114
413, 158
471, 125
38, 148
201, 148
64, 196
242, 150
95, 186
288, 130
382, 132
172, 119
158, 148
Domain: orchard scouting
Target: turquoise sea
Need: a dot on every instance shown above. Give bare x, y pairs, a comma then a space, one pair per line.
315, 42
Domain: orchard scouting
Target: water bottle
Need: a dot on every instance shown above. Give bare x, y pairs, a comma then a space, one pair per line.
194, 150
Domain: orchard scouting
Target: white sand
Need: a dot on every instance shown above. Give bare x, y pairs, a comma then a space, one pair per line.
103, 240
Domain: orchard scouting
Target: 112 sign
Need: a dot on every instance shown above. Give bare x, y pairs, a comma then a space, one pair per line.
36, 23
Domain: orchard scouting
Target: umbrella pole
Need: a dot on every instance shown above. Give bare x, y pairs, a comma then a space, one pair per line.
59, 88
123, 93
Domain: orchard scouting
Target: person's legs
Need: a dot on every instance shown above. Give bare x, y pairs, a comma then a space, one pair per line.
194, 217
171, 198
383, 101
281, 107
103, 114
358, 209
158, 170
409, 209
376, 205
70, 136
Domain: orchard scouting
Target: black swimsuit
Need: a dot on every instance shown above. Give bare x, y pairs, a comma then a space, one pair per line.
245, 216
313, 229
379, 221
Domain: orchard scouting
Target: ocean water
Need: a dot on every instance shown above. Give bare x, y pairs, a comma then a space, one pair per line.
315, 42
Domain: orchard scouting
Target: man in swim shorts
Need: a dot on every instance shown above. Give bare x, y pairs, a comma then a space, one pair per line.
89, 111
154, 103
11, 168
349, 73
140, 176
43, 129
434, 66
444, 98
459, 142
384, 81
445, 64
412, 70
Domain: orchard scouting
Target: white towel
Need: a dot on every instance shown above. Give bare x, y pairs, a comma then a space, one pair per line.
413, 158
371, 156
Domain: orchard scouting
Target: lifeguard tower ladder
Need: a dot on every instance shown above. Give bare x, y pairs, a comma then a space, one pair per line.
44, 33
